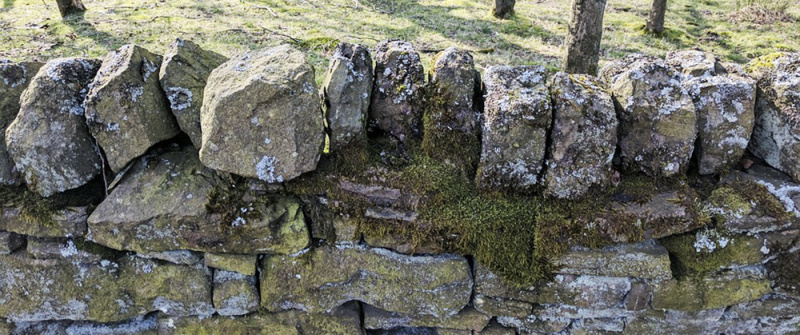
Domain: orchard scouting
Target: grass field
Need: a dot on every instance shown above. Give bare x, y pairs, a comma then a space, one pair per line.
32, 29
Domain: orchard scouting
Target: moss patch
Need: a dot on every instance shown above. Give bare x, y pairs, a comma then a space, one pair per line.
785, 270
34, 208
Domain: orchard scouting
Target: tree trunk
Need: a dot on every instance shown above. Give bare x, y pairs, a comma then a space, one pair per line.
655, 23
67, 7
503, 8
582, 49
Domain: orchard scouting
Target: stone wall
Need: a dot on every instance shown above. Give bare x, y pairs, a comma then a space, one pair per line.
191, 193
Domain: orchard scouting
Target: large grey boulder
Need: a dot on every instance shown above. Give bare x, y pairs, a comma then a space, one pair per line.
183, 76
725, 99
398, 92
517, 118
452, 124
261, 116
656, 114
15, 78
126, 108
347, 90
49, 141
437, 286
583, 138
776, 136
175, 215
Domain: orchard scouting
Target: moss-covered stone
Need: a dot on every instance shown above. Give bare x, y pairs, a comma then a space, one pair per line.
244, 264
327, 277
398, 92
709, 292
710, 250
234, 293
194, 208
644, 260
467, 319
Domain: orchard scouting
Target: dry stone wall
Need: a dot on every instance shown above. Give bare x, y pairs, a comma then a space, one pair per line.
192, 194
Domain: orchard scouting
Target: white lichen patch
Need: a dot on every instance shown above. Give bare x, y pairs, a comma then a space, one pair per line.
179, 98
266, 170
709, 240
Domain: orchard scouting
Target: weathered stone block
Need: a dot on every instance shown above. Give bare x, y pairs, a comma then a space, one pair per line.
347, 91
15, 78
261, 116
643, 260
708, 293
67, 222
658, 123
49, 141
517, 119
183, 76
126, 108
244, 264
234, 293
398, 92
583, 138
776, 131
327, 277
175, 215
467, 319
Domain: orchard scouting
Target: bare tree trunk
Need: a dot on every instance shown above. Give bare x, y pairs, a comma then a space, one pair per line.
67, 7
582, 49
503, 8
655, 23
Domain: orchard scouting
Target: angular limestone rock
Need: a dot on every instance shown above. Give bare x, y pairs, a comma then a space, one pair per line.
642, 260
244, 264
347, 90
15, 78
657, 116
183, 76
126, 108
776, 135
398, 92
103, 291
261, 116
234, 293
467, 319
10, 242
725, 111
581, 291
583, 138
137, 216
518, 116
452, 124
67, 222
694, 63
344, 320
49, 141
709, 292
437, 286
742, 216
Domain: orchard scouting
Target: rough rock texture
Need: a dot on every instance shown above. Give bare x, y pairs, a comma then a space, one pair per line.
398, 92
234, 293
261, 116
517, 116
656, 114
741, 216
709, 292
15, 78
347, 90
184, 257
438, 286
664, 214
452, 123
244, 264
467, 319
776, 132
142, 218
143, 325
641, 260
694, 63
48, 141
10, 242
67, 222
103, 291
583, 138
725, 114
344, 320
183, 76
126, 108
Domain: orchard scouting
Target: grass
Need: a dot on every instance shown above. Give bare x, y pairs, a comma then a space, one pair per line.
32, 29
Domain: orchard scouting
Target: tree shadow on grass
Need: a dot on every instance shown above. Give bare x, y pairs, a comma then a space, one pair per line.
87, 29
7, 5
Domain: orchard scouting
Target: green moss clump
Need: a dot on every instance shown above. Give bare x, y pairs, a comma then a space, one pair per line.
784, 269
454, 146
763, 62
34, 208
755, 193
691, 261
